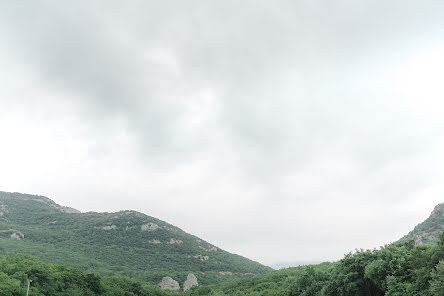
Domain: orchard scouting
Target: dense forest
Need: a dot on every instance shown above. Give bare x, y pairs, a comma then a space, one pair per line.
51, 280
112, 254
124, 244
401, 269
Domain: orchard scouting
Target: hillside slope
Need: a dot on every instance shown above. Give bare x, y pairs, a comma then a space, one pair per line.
125, 243
429, 230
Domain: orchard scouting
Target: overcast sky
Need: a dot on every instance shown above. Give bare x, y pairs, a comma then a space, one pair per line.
278, 130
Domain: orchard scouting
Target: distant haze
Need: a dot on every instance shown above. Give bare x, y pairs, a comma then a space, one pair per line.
281, 265
284, 131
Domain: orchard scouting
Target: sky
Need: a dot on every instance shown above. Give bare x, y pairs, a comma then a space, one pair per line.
283, 131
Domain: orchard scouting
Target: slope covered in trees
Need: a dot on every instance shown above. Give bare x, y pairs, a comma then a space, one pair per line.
146, 249
125, 243
401, 269
429, 230
58, 280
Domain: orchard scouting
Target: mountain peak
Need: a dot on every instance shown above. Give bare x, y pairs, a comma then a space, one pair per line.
122, 243
429, 230
45, 201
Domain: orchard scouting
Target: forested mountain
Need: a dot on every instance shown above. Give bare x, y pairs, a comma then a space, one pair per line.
145, 249
400, 269
414, 266
429, 230
125, 243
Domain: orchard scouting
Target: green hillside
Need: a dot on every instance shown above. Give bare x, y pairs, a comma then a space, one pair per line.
58, 280
102, 242
401, 269
125, 243
429, 230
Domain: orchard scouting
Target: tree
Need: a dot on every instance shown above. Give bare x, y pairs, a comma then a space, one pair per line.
8, 286
437, 282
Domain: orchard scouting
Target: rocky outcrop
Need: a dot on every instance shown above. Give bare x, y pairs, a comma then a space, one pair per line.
15, 234
149, 227
69, 210
168, 283
190, 282
201, 257
175, 241
107, 227
154, 241
209, 249
428, 231
52, 204
3, 210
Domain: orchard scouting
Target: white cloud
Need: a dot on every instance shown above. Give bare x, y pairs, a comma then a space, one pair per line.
284, 132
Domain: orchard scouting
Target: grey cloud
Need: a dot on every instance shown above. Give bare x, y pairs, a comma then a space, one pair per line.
288, 83
247, 52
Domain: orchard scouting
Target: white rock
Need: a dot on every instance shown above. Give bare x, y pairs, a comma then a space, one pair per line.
149, 227
201, 258
17, 235
190, 282
210, 249
168, 283
175, 241
69, 210
107, 227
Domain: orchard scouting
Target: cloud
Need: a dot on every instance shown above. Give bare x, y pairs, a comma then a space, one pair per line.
267, 113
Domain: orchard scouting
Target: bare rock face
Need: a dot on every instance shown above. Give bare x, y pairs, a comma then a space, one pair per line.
149, 227
190, 282
201, 257
69, 210
3, 210
15, 234
107, 227
429, 230
209, 249
175, 241
168, 283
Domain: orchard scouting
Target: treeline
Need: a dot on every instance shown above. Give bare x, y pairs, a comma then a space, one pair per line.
401, 269
80, 241
57, 280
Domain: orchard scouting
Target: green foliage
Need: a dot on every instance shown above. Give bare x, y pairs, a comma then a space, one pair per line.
437, 282
429, 230
57, 280
113, 244
124, 262
400, 269
395, 287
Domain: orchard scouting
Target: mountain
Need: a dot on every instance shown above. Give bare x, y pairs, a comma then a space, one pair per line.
125, 243
429, 230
